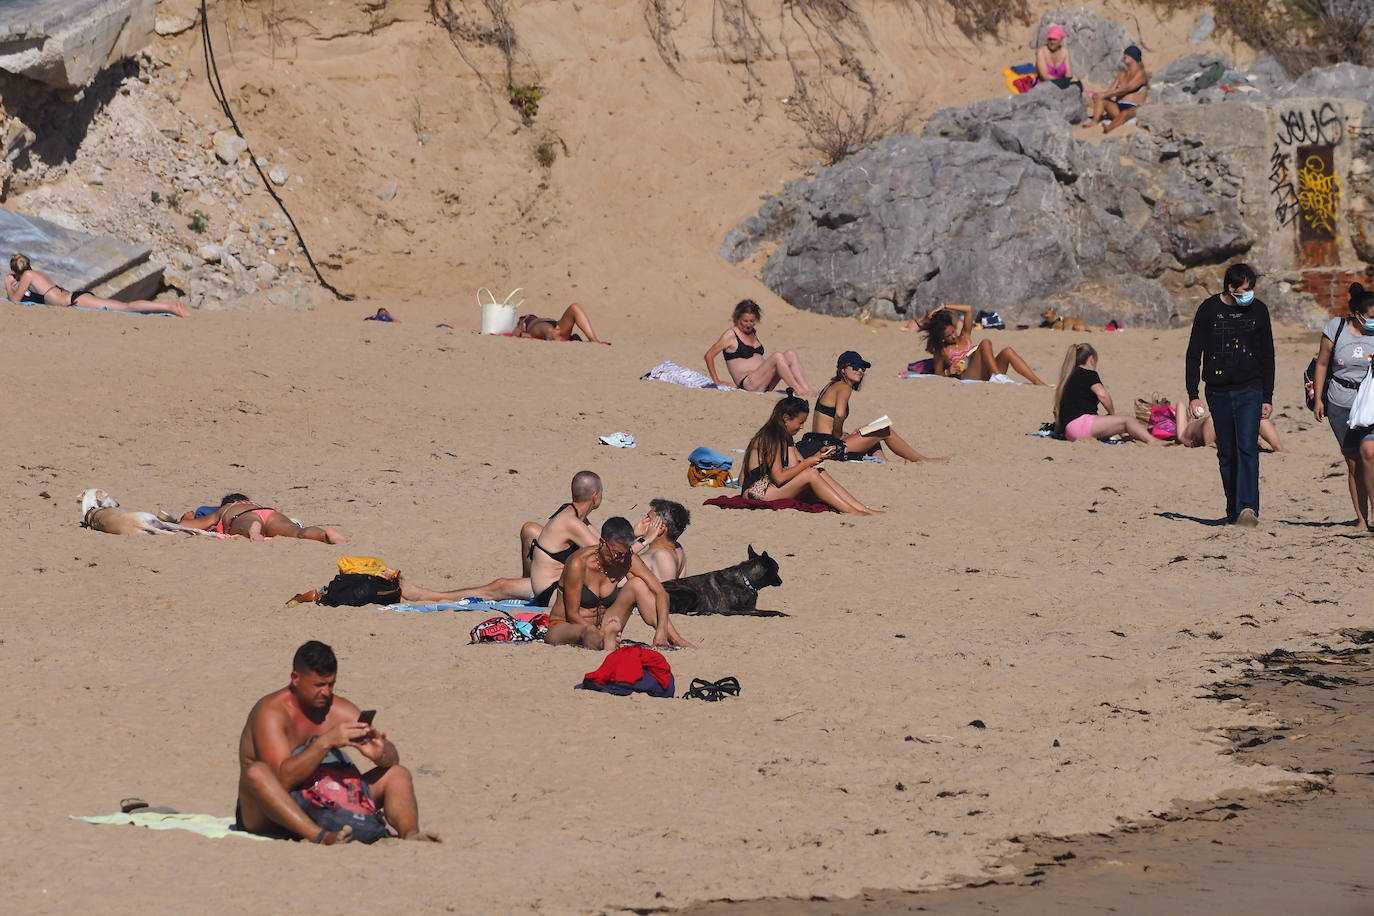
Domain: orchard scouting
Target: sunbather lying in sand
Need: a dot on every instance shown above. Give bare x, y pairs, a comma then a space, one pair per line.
589, 608
237, 514
1200, 431
573, 319
24, 284
543, 551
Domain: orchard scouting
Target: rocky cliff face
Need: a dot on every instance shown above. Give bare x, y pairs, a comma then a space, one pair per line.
1003, 203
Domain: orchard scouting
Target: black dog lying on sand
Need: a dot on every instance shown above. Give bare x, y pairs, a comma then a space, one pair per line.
733, 590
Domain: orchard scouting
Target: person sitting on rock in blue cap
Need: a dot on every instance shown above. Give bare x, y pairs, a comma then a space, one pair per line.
832, 409
1124, 96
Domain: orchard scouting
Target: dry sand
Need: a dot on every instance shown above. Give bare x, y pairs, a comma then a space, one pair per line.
1026, 584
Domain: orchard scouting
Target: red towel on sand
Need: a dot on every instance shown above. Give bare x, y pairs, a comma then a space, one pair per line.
744, 502
628, 664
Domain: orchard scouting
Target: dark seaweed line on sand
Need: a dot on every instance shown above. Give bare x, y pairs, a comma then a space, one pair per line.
1296, 686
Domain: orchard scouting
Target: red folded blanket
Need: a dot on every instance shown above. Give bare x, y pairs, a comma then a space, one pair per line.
744, 502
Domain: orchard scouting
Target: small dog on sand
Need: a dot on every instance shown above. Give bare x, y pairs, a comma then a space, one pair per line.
733, 590
100, 511
1062, 323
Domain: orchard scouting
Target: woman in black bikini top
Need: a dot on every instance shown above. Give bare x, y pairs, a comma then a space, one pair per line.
749, 364
22, 284
829, 419
773, 469
589, 571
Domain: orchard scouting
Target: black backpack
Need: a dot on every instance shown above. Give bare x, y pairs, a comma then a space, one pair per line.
358, 589
1309, 391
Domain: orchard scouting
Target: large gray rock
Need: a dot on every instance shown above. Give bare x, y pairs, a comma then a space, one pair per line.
975, 120
912, 222
1095, 44
65, 43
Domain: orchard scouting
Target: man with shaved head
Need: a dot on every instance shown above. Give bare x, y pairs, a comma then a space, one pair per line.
544, 549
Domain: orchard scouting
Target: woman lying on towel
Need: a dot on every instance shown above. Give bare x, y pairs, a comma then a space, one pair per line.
574, 319
237, 514
950, 341
1077, 398
24, 284
774, 469
832, 410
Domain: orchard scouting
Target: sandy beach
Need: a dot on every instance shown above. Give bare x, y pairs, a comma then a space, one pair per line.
1029, 584
1076, 599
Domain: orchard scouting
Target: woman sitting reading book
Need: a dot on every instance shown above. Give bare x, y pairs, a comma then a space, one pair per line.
832, 410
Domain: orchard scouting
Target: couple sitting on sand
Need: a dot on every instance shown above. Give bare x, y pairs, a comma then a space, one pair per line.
608, 576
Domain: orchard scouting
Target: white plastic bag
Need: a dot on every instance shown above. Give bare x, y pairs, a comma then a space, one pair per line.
1362, 411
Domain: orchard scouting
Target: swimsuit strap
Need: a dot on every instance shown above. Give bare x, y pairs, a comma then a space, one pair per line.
827, 409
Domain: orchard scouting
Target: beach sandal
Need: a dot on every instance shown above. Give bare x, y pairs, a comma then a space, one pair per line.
139, 806
308, 597
712, 691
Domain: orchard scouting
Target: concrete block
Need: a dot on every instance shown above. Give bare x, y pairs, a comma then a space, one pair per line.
65, 43
78, 260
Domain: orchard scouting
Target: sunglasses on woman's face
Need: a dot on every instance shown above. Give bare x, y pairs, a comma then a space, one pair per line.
617, 555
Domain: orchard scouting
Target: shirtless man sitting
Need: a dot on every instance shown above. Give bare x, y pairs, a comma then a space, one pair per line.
656, 543
589, 608
1121, 100
543, 550
287, 735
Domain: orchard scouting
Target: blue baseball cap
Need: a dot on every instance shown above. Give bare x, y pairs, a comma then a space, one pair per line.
853, 360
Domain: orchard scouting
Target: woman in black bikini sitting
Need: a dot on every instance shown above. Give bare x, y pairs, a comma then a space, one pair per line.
749, 367
574, 319
832, 410
589, 609
24, 284
773, 469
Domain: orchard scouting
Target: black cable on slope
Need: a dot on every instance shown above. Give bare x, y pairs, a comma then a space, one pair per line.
217, 89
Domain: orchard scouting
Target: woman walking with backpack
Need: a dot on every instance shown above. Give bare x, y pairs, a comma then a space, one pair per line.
1343, 360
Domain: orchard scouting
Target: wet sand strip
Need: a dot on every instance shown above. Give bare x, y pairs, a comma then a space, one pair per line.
1308, 850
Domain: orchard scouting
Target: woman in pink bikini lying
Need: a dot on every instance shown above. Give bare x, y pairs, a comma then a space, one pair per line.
950, 341
237, 514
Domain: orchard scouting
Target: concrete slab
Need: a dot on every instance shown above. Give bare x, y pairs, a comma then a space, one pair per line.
65, 43
78, 260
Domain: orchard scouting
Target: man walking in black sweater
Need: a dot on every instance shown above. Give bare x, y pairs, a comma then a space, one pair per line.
1234, 344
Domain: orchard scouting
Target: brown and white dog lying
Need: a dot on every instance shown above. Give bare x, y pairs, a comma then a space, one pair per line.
100, 511
1053, 319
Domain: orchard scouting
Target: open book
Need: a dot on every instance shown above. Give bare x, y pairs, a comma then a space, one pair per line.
876, 426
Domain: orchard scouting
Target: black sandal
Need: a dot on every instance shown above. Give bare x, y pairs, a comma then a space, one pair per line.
712, 691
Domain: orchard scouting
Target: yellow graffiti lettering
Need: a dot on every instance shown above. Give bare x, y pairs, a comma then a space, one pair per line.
1319, 194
